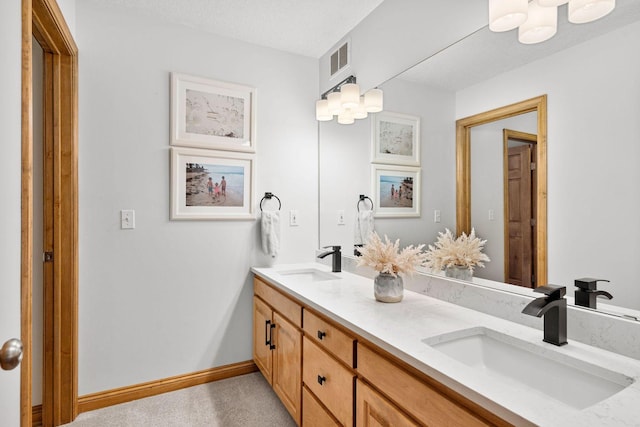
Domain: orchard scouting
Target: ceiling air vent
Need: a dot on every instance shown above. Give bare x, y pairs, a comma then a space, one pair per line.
340, 58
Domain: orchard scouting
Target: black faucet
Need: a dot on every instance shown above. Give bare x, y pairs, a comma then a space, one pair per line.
587, 293
553, 307
336, 261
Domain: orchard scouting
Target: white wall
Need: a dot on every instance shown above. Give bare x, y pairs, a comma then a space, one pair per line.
174, 297
593, 152
345, 159
400, 33
68, 9
10, 123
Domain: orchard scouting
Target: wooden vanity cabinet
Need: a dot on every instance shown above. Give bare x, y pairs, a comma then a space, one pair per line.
277, 344
327, 375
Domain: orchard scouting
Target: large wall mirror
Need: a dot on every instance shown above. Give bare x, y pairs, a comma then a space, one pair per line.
589, 74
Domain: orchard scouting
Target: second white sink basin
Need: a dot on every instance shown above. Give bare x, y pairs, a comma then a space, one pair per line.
519, 363
309, 275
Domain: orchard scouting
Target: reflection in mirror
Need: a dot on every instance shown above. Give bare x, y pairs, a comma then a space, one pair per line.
346, 168
519, 203
503, 160
511, 181
591, 79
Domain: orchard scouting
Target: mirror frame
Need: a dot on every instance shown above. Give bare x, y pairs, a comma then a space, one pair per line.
463, 172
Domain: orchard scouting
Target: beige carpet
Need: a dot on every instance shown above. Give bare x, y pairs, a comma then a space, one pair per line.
242, 401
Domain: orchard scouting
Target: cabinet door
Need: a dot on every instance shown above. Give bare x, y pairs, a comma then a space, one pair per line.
262, 354
287, 357
374, 410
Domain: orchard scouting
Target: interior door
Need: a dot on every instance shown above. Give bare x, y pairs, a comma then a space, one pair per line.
518, 251
10, 216
9, 328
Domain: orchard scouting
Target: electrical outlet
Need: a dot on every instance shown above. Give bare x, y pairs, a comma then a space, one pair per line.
293, 218
436, 216
127, 219
492, 215
340, 217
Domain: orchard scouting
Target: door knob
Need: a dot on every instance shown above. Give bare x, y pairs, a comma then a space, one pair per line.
11, 354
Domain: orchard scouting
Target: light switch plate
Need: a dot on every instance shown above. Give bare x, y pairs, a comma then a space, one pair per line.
293, 218
340, 217
127, 219
436, 216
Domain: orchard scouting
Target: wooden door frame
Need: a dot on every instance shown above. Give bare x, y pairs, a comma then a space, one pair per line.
530, 139
43, 20
463, 171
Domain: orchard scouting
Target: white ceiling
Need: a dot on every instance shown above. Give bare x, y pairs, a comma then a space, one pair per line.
485, 54
312, 27
304, 27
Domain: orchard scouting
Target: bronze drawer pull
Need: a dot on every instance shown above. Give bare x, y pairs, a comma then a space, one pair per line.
321, 379
321, 335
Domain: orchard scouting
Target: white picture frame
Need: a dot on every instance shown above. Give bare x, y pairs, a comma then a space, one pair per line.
212, 114
395, 139
193, 193
404, 200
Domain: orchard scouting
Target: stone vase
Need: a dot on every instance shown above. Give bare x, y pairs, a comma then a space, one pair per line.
458, 272
388, 288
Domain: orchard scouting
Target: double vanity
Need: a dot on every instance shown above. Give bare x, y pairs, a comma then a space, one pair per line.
335, 356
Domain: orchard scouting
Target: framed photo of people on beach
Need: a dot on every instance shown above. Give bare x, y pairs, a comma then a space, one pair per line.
212, 114
396, 190
208, 184
395, 139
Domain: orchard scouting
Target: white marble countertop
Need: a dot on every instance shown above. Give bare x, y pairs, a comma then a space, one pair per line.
400, 328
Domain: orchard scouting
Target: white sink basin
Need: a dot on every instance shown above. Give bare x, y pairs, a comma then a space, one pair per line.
309, 275
519, 363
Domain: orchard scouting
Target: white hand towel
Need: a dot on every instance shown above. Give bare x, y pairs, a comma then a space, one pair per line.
270, 232
363, 228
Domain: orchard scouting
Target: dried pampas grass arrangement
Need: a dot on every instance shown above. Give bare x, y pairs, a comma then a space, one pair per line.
465, 251
385, 257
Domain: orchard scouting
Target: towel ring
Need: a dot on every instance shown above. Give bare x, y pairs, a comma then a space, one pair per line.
362, 199
268, 196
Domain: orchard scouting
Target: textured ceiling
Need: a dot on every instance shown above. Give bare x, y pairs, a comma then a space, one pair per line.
304, 27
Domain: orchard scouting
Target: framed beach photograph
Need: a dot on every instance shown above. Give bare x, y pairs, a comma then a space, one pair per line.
396, 190
208, 184
212, 114
395, 139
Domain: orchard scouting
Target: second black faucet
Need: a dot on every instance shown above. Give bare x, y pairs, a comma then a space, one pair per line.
336, 260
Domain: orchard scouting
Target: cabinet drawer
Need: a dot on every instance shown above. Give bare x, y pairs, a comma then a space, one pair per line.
329, 337
289, 309
372, 409
417, 398
329, 381
313, 414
